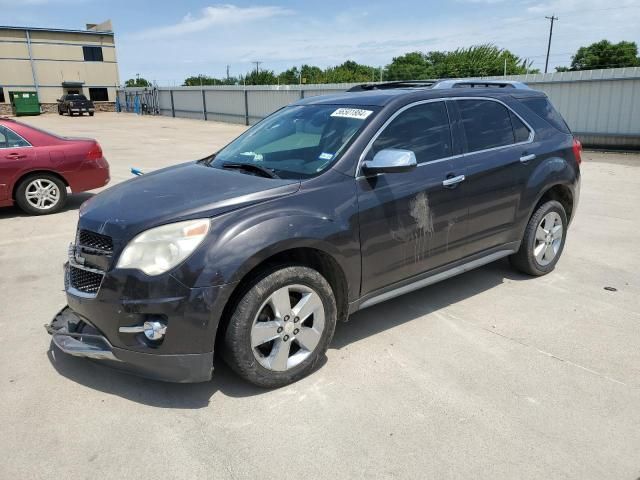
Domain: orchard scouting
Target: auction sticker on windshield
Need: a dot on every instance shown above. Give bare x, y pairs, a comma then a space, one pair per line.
352, 113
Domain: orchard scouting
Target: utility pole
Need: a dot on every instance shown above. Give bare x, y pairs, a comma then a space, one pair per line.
227, 73
257, 67
553, 18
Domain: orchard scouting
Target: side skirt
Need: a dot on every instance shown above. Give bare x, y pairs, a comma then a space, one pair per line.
430, 278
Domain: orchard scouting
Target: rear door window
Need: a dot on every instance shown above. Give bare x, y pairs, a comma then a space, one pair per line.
486, 124
9, 139
423, 129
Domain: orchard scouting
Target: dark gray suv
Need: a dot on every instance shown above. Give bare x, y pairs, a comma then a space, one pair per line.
329, 205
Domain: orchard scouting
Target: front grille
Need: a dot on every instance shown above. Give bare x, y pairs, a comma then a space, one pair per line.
84, 280
95, 240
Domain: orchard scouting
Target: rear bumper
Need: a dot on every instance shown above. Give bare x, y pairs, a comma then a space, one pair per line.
90, 175
75, 336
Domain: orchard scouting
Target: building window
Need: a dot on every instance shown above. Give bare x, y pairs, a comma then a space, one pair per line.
99, 94
2, 100
92, 54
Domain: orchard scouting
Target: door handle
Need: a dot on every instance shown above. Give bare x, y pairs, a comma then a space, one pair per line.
15, 155
527, 158
449, 182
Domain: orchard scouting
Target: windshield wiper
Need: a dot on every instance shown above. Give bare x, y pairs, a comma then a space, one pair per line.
250, 167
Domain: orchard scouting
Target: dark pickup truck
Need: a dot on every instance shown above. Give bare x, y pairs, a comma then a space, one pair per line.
73, 103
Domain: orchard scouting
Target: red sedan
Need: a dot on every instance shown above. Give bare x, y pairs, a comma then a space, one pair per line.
37, 167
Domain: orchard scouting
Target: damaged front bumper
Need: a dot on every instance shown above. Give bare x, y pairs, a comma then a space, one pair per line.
75, 336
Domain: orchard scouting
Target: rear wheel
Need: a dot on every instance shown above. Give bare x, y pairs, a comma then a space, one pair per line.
281, 327
41, 194
543, 240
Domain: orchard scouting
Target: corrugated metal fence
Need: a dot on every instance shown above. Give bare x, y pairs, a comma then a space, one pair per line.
601, 106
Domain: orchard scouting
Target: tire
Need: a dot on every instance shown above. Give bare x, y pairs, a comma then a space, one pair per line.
543, 240
60, 112
265, 342
39, 189
69, 112
91, 114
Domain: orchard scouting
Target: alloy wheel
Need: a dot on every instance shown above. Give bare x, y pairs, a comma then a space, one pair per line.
42, 194
288, 327
548, 238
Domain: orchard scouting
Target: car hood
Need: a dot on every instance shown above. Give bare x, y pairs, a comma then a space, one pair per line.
181, 192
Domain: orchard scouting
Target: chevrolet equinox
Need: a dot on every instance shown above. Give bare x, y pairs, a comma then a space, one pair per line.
329, 205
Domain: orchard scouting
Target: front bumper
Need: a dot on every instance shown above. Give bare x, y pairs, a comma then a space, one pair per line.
76, 336
107, 308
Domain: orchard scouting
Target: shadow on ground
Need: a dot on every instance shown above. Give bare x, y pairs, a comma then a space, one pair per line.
73, 203
415, 306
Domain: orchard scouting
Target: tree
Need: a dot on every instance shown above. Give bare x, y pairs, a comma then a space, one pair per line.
311, 74
198, 80
262, 77
410, 66
137, 82
351, 72
289, 77
201, 80
604, 54
476, 61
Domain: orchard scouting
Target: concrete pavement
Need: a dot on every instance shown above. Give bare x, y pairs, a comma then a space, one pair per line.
491, 374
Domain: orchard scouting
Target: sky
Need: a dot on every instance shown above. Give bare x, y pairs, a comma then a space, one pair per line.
168, 41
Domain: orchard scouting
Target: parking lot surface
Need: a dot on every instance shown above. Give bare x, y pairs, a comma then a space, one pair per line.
491, 374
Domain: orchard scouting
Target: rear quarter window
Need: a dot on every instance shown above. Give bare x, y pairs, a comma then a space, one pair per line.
542, 107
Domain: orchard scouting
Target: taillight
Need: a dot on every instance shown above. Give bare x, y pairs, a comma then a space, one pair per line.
95, 152
577, 150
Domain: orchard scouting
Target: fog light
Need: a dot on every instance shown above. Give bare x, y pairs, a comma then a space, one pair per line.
155, 330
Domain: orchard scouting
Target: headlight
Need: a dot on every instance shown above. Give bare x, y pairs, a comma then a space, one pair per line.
162, 248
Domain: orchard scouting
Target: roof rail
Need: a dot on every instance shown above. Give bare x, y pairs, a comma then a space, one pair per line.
394, 84
479, 83
440, 84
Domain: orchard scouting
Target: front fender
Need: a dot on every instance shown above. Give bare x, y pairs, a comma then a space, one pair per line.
323, 218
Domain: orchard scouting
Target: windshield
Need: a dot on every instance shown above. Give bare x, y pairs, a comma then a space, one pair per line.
296, 142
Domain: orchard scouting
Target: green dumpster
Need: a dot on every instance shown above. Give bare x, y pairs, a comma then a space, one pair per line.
24, 103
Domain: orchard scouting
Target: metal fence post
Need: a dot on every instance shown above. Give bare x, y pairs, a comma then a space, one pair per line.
173, 108
301, 93
204, 106
246, 107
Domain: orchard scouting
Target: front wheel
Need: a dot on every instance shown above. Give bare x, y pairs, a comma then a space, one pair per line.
543, 240
281, 327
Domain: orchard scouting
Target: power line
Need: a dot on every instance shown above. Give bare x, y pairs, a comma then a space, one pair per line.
546, 63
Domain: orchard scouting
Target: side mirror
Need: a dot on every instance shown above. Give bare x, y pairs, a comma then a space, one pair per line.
390, 161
